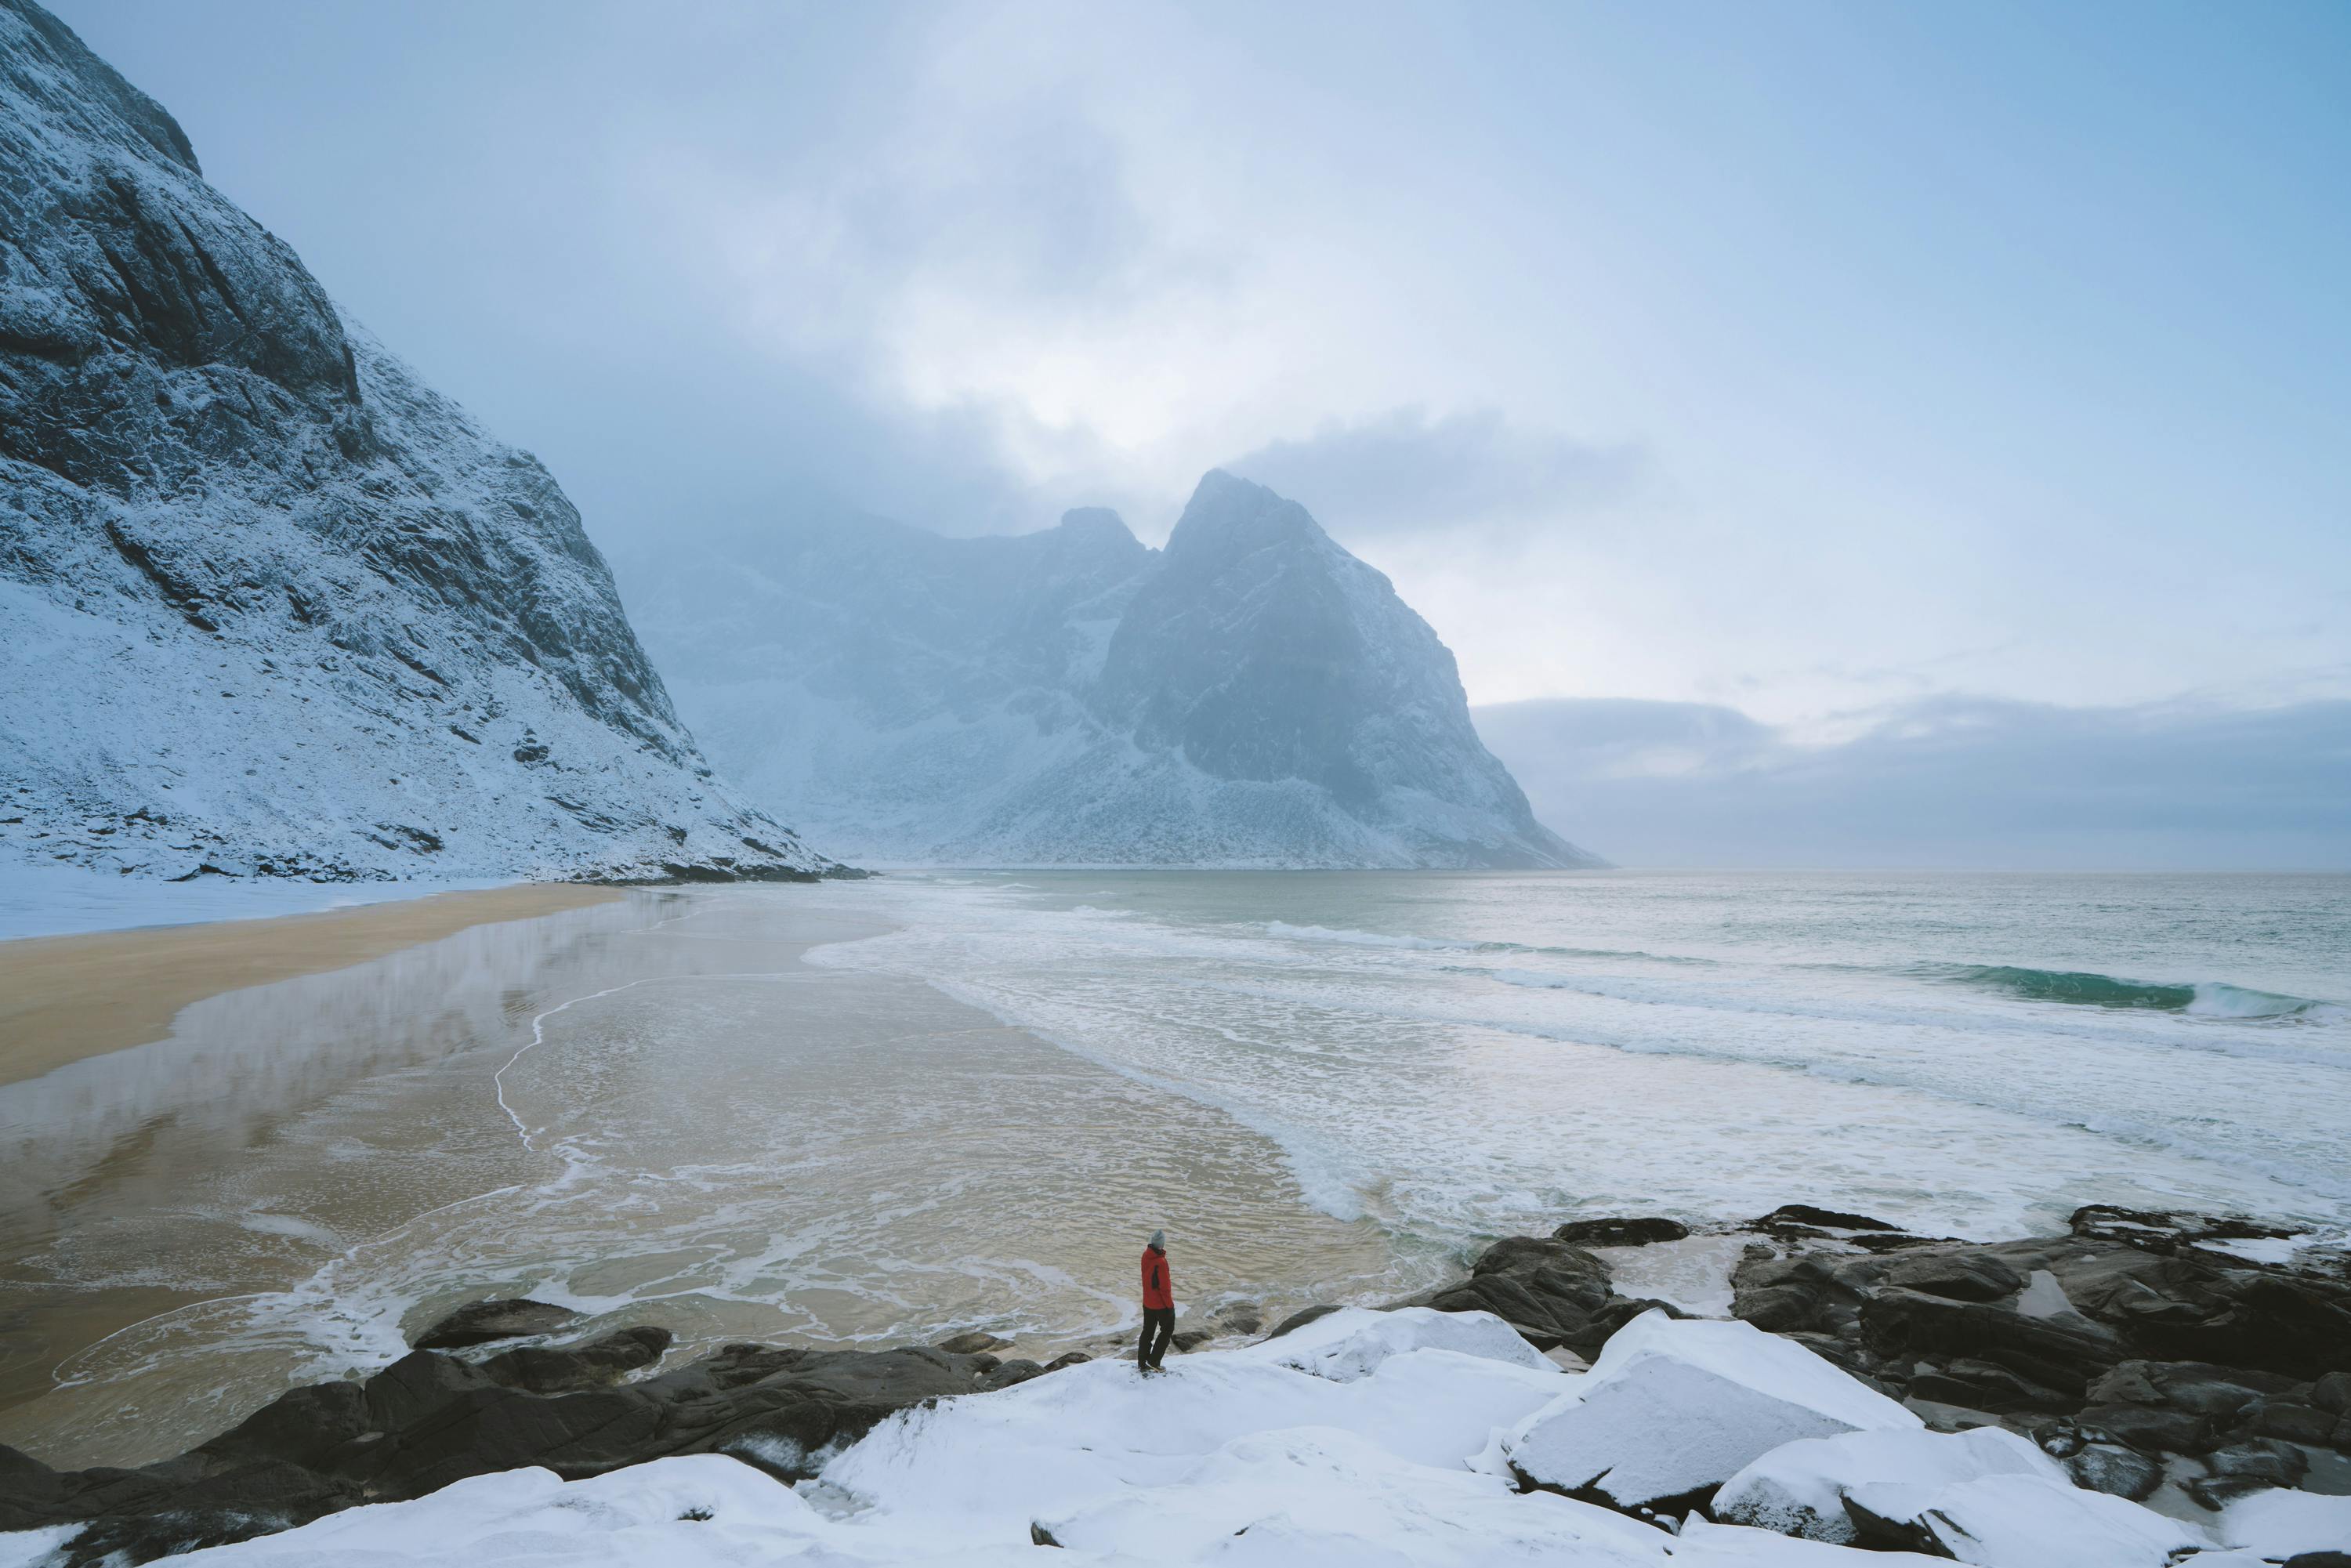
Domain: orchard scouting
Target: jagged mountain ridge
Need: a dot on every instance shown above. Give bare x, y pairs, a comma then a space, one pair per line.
271, 604
1250, 695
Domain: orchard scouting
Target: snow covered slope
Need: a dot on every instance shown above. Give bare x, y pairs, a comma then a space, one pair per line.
268, 604
1252, 695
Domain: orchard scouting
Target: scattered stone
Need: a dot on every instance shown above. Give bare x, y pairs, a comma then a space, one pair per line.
485, 1322
1188, 1340
1067, 1358
1638, 1232
972, 1342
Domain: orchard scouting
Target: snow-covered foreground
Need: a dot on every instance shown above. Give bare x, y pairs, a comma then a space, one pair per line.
1364, 1438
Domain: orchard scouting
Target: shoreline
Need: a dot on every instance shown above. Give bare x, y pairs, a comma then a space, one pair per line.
68, 998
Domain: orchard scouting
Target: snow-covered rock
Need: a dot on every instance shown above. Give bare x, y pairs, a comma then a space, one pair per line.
2015, 1520
270, 605
1352, 1343
2280, 1523
1675, 1407
1252, 695
1800, 1487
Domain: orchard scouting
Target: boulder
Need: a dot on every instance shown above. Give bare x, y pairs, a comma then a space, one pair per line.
972, 1342
563, 1369
1350, 1343
1789, 1214
1800, 1487
1546, 1290
2019, 1521
2219, 1391
1623, 1232
2151, 1429
2102, 1467
1238, 1318
2244, 1468
430, 1419
1963, 1276
2280, 1524
1672, 1409
485, 1322
1300, 1318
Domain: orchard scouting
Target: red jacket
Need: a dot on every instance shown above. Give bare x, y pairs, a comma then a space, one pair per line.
1158, 1284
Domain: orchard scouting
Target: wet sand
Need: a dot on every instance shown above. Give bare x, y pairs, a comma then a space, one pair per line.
653, 1110
64, 999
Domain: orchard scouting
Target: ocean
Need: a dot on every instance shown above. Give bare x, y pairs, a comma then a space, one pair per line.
884, 1111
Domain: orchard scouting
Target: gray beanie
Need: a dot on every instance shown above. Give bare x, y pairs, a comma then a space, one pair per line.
1159, 1240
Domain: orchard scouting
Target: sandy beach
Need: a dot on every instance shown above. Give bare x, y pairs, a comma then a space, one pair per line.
64, 999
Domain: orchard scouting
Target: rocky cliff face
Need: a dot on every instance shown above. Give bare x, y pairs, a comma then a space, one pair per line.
1250, 695
270, 604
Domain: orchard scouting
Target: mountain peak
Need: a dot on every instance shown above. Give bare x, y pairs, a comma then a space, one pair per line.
1229, 516
1099, 530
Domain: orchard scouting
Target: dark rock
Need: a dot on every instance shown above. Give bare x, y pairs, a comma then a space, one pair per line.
2055, 1351
484, 1322
2290, 1419
972, 1342
2219, 1391
1239, 1317
1546, 1290
1300, 1319
2319, 1560
2103, 1467
2150, 1429
1067, 1358
1633, 1232
2333, 1392
430, 1419
1827, 1218
2280, 1464
1987, 1386
1960, 1276
567, 1368
1007, 1373
1188, 1340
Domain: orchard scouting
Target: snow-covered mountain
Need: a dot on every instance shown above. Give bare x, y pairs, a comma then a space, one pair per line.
269, 604
1252, 695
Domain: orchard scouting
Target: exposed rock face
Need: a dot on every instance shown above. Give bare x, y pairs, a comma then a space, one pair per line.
1252, 695
430, 1419
2132, 1341
271, 604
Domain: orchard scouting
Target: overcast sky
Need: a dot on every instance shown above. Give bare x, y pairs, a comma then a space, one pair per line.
1814, 360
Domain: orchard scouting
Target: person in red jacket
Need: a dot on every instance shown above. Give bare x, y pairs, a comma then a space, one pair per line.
1158, 1305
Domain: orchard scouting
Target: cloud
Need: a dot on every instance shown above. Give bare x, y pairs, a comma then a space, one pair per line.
1946, 781
1405, 471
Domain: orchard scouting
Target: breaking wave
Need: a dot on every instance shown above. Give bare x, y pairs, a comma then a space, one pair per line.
2198, 999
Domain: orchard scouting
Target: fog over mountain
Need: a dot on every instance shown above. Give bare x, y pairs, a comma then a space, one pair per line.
1965, 782
270, 604
1252, 695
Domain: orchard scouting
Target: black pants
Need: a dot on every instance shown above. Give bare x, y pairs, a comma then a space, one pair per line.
1159, 1322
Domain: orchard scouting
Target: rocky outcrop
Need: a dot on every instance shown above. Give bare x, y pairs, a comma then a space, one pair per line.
2134, 1344
1251, 694
432, 1418
272, 605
